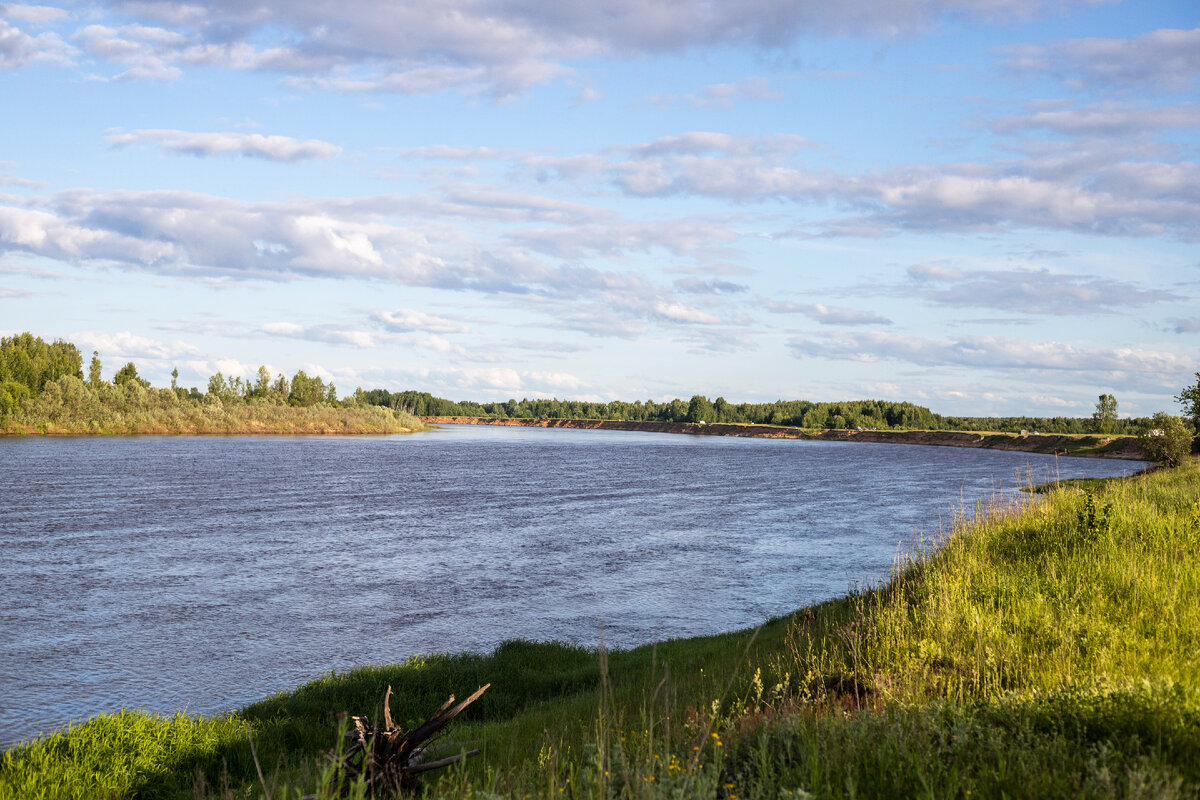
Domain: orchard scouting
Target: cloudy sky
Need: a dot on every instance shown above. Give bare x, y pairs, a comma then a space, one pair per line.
983, 206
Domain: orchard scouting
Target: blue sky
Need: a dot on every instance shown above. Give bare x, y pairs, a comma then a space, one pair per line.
984, 207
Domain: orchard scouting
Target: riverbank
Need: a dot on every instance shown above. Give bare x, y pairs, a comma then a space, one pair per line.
1046, 649
1095, 446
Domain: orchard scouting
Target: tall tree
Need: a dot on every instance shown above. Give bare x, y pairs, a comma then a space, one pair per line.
262, 383
700, 409
1105, 415
128, 374
94, 378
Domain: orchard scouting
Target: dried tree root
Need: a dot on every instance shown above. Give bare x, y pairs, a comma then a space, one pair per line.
389, 760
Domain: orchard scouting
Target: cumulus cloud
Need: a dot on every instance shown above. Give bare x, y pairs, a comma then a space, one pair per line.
826, 315
386, 238
1163, 60
19, 49
1028, 291
271, 148
127, 345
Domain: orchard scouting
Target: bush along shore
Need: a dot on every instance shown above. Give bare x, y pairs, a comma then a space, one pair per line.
43, 391
1043, 649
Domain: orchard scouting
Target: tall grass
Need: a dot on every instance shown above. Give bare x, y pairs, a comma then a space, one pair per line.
1046, 648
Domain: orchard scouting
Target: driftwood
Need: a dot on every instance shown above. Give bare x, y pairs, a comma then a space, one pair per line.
390, 760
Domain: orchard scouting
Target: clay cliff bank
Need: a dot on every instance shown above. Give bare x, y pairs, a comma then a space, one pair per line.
1097, 446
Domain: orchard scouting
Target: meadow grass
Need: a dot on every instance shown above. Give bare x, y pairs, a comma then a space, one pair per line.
1044, 647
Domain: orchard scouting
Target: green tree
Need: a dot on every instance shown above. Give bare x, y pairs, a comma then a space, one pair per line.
262, 383
1105, 415
219, 388
307, 391
175, 379
11, 395
1168, 440
32, 362
128, 373
1189, 398
94, 378
700, 409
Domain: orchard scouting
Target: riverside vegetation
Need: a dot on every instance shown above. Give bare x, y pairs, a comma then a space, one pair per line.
42, 390
1048, 647
849, 414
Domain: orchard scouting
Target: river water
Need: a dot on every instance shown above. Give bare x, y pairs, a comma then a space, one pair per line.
202, 573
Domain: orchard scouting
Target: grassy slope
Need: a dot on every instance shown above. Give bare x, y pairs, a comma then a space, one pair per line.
1050, 653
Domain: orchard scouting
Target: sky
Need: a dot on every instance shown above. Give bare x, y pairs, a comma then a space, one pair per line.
988, 207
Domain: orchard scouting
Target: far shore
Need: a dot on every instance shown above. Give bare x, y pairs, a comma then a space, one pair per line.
1087, 445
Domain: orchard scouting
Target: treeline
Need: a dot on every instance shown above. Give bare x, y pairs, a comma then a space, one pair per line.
43, 389
875, 414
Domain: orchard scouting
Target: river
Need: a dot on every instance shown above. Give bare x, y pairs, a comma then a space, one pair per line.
202, 573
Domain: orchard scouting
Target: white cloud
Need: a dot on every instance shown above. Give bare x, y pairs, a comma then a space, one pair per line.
271, 148
1090, 193
406, 320
127, 345
680, 312
19, 49
330, 334
1105, 119
1028, 291
826, 315
1165, 60
989, 352
35, 15
496, 46
935, 272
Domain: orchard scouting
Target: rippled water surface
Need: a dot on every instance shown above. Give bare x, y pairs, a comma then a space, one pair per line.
204, 573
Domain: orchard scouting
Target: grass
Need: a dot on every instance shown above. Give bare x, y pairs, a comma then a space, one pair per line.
1046, 649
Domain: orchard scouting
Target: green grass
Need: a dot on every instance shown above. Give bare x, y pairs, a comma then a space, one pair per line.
1047, 649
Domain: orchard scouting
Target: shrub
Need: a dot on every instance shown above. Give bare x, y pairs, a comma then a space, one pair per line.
1168, 439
